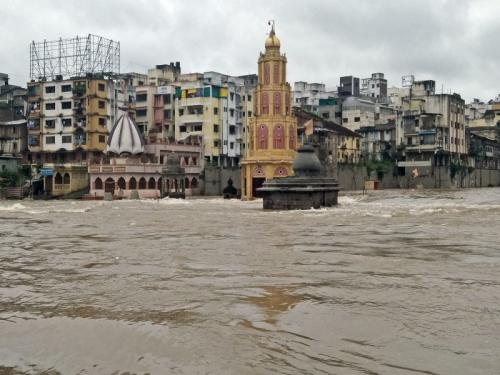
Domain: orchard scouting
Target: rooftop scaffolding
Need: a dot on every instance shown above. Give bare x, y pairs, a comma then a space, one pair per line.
74, 57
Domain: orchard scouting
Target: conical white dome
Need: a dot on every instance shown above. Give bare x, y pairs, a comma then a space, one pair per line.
125, 137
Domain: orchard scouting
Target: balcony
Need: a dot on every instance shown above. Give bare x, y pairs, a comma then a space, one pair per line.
79, 142
79, 91
191, 118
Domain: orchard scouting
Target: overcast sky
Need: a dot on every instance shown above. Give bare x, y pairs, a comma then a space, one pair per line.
456, 43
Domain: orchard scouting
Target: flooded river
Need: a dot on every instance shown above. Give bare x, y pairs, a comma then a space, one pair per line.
392, 282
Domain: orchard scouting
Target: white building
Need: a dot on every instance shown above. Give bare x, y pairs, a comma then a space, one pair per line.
374, 87
308, 95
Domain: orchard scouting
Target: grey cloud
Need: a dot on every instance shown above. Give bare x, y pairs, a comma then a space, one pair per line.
453, 42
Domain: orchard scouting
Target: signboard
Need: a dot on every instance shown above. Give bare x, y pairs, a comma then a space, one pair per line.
415, 163
162, 90
46, 172
407, 81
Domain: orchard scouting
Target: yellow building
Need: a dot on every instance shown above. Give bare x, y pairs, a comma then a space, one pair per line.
273, 129
68, 124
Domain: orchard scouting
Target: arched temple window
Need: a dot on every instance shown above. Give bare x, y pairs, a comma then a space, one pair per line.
132, 183
66, 179
142, 183
194, 183
291, 146
186, 183
58, 179
121, 183
151, 183
276, 72
267, 73
109, 185
264, 105
278, 137
262, 137
98, 184
277, 103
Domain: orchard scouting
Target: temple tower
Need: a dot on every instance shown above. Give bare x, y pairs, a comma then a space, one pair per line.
273, 129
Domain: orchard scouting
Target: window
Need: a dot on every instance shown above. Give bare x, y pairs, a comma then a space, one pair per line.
101, 87
345, 119
65, 88
182, 128
242, 114
277, 103
141, 97
102, 138
216, 110
264, 104
225, 109
102, 121
231, 96
231, 112
216, 143
50, 89
267, 73
356, 119
66, 105
232, 129
167, 114
50, 140
66, 139
167, 99
50, 106
276, 72
231, 145
249, 97
197, 128
249, 113
102, 104
373, 86
50, 123
141, 112
278, 137
66, 122
181, 112
216, 128
262, 137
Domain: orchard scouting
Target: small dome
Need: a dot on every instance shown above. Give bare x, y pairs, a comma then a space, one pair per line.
125, 137
272, 40
306, 163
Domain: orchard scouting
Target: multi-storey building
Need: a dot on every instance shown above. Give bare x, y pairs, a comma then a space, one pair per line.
308, 95
247, 107
68, 121
433, 126
349, 86
273, 130
374, 87
215, 106
12, 100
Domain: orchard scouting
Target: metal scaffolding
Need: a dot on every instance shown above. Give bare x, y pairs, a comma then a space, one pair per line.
75, 57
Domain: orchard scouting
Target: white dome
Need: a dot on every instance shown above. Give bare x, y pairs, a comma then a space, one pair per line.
125, 137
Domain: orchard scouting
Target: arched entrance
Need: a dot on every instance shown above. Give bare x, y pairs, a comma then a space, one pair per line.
109, 185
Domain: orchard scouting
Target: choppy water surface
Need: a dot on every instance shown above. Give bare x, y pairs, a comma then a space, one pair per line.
387, 283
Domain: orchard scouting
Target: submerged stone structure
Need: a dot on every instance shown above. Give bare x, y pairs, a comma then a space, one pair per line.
306, 189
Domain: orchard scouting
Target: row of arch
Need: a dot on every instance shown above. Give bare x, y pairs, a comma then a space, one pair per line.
278, 137
60, 179
109, 185
277, 104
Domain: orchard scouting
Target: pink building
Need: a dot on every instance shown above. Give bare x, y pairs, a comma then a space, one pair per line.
126, 170
189, 151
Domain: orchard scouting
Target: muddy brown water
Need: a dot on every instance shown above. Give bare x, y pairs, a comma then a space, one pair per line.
394, 282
